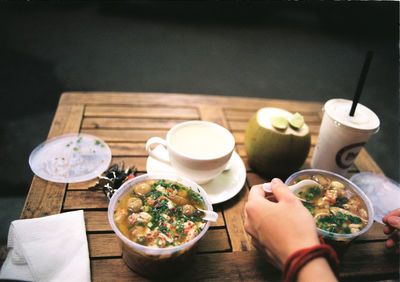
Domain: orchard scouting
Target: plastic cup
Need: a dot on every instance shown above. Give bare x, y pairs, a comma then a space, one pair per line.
336, 239
152, 261
341, 136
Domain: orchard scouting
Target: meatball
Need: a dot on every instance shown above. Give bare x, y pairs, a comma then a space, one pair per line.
134, 204
188, 210
178, 200
142, 188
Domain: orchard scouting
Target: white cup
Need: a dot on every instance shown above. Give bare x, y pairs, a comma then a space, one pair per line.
199, 150
342, 136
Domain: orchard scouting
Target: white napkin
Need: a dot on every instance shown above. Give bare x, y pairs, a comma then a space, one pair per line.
52, 248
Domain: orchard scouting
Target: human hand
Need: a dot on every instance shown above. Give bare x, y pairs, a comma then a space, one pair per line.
392, 228
278, 228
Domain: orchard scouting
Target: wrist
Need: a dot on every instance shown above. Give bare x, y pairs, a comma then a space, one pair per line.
294, 246
304, 261
317, 267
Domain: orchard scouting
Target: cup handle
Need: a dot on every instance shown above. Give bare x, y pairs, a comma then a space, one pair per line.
157, 140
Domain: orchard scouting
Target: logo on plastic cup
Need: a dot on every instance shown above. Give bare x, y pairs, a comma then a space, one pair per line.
346, 155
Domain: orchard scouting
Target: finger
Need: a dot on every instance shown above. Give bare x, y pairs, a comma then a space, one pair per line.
248, 227
276, 181
393, 240
394, 221
267, 187
392, 244
387, 229
395, 212
256, 192
280, 190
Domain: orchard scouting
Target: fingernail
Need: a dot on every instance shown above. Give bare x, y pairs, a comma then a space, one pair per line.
267, 187
276, 181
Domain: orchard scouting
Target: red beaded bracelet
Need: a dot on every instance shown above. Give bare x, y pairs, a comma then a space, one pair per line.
301, 257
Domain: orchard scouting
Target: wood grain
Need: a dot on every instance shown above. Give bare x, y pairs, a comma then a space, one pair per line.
234, 218
126, 121
130, 123
141, 112
234, 266
119, 149
66, 120
128, 135
251, 266
44, 198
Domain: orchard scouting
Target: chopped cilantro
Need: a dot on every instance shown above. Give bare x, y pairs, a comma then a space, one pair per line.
341, 201
337, 223
312, 192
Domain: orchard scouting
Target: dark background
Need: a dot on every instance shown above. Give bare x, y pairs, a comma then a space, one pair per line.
304, 51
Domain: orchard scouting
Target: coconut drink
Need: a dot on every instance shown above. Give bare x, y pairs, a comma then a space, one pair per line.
277, 142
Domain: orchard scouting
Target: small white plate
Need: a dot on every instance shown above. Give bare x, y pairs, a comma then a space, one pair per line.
220, 189
70, 158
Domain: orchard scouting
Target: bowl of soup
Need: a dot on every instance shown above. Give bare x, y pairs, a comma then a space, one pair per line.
341, 210
158, 222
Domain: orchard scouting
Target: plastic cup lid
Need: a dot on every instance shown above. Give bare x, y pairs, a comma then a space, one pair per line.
70, 158
383, 192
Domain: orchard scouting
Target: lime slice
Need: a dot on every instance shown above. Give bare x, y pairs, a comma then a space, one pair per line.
296, 121
279, 122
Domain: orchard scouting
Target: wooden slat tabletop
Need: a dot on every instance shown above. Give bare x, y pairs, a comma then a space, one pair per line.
125, 121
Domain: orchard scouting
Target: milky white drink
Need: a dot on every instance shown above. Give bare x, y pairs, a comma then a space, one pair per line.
342, 136
198, 150
199, 141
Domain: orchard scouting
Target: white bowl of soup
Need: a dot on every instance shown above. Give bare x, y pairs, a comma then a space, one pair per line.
340, 209
157, 220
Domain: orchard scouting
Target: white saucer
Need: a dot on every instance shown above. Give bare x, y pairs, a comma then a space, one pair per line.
220, 189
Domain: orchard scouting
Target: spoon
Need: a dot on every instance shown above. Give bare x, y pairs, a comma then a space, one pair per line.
209, 215
301, 184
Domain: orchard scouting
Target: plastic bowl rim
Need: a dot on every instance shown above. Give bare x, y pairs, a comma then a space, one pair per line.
368, 203
156, 176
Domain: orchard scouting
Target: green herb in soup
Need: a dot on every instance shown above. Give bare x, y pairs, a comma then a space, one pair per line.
160, 213
336, 207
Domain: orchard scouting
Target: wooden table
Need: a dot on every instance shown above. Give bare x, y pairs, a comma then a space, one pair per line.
125, 121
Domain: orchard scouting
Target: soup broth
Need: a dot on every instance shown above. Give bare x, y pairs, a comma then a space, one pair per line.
160, 213
336, 207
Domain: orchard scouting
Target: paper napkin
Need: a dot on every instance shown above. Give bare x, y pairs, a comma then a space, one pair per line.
52, 248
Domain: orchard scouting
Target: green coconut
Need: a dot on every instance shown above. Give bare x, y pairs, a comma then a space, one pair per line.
275, 152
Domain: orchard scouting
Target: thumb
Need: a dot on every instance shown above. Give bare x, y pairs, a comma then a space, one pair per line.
280, 190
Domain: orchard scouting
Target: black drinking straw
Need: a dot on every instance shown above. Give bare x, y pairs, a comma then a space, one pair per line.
361, 81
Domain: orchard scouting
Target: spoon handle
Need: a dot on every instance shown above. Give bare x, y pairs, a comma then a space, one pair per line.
210, 215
